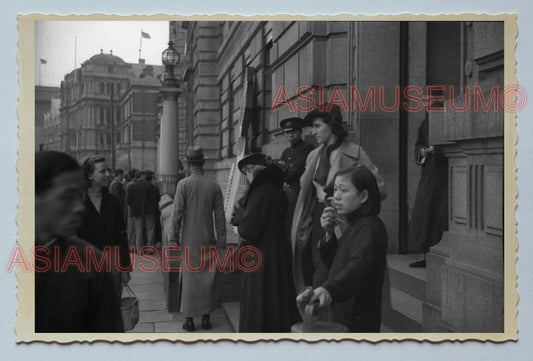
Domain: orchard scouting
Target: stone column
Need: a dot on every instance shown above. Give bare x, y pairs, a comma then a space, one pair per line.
168, 140
168, 179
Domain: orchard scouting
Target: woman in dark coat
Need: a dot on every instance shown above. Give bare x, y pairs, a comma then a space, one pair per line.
103, 220
355, 256
267, 294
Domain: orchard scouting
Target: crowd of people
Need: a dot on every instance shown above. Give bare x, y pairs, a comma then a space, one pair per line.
313, 215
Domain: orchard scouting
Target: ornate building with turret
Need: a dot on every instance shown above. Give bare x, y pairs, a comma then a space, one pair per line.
109, 107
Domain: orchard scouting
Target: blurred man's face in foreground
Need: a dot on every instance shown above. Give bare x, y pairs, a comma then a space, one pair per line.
59, 209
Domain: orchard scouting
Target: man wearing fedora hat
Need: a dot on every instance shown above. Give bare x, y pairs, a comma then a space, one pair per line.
293, 158
197, 202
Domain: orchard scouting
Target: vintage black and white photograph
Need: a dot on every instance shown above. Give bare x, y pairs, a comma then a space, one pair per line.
272, 178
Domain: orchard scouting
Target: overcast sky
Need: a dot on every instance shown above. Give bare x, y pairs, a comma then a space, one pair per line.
55, 43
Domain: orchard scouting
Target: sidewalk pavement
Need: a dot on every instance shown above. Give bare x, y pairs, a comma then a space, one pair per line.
154, 315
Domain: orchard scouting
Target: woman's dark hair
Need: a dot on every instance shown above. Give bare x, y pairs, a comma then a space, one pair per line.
363, 179
88, 167
336, 125
331, 115
50, 164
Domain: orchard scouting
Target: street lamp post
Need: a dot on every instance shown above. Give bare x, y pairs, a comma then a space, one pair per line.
113, 153
168, 162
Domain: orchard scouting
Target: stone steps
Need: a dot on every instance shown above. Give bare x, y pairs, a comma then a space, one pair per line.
407, 279
231, 310
407, 294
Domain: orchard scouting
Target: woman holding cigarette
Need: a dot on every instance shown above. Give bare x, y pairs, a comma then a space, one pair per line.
333, 154
354, 253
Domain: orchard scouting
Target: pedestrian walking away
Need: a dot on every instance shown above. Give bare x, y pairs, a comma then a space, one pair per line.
199, 223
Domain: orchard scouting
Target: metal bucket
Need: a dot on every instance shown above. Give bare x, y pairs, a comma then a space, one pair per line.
309, 323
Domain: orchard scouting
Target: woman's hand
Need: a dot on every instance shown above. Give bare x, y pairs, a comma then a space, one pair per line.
328, 220
321, 296
304, 296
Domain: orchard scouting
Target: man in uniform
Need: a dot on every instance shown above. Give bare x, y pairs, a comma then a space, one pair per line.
293, 158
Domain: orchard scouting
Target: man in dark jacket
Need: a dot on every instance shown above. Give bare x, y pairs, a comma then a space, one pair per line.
139, 198
79, 298
116, 187
267, 295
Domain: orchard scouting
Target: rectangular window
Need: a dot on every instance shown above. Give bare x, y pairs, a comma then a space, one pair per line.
100, 118
102, 87
149, 103
137, 131
148, 130
145, 103
137, 103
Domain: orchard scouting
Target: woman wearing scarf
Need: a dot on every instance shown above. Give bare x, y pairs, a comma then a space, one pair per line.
333, 154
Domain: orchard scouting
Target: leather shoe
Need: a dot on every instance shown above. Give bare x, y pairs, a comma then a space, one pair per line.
418, 264
188, 325
206, 324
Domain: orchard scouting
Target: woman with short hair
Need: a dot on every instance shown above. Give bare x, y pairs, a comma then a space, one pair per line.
103, 220
354, 252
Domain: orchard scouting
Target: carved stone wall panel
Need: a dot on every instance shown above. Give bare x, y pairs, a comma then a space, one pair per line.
458, 194
471, 303
492, 186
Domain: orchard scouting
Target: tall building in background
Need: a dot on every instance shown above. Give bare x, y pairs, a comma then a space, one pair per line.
43, 102
52, 126
108, 103
139, 123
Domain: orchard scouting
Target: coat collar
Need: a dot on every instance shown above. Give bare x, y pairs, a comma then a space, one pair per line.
347, 154
270, 175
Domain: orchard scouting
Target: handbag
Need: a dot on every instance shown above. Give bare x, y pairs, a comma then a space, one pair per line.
129, 306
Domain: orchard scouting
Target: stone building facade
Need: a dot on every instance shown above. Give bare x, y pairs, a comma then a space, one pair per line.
350, 63
43, 102
108, 103
52, 126
139, 123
